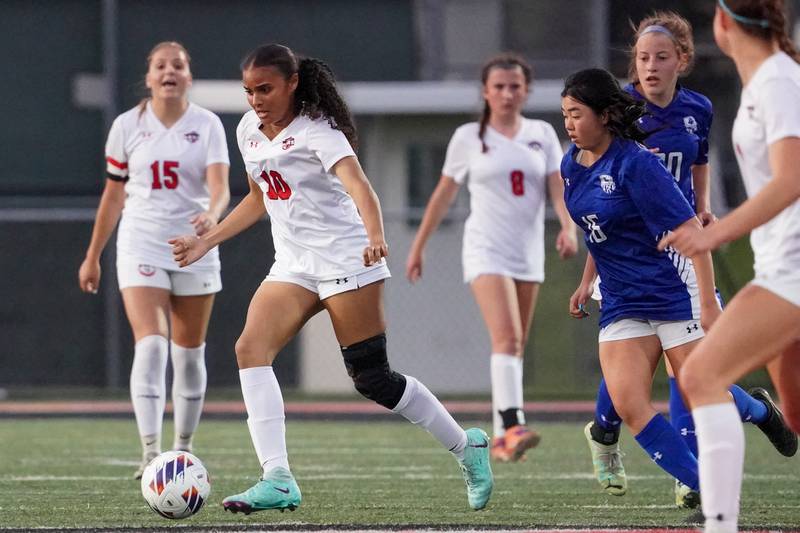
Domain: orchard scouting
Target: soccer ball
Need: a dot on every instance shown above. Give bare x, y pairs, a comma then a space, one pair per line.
175, 484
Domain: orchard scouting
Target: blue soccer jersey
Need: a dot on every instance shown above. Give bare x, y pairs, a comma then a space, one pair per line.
624, 203
680, 132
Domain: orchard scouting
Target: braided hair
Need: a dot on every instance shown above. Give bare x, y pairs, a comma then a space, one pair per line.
773, 12
600, 91
316, 95
506, 61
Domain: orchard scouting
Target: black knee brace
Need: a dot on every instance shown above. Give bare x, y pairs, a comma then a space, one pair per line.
368, 366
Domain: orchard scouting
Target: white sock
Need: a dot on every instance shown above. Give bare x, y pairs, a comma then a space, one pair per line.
506, 375
422, 408
188, 392
149, 389
720, 441
265, 416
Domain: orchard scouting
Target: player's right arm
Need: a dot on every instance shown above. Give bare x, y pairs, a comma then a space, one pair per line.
440, 202
577, 301
189, 248
108, 212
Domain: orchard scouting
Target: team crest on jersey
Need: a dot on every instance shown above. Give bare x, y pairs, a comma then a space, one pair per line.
535, 145
147, 270
192, 136
690, 123
607, 183
288, 142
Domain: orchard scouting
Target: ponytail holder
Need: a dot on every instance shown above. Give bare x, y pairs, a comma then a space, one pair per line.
764, 23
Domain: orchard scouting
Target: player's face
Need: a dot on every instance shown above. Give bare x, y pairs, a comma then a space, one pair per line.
658, 64
168, 75
269, 94
505, 91
585, 128
720, 33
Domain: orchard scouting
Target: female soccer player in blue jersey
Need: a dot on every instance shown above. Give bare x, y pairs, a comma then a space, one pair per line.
652, 301
760, 326
677, 125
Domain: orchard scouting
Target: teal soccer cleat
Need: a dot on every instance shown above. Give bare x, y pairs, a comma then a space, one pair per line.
277, 490
476, 469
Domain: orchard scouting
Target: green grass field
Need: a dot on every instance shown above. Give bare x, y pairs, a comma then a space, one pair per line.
75, 473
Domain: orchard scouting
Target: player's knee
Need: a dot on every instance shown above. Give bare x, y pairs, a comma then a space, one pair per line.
368, 367
694, 382
509, 344
250, 353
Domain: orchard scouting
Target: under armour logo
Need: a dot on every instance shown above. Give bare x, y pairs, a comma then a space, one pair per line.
657, 456
685, 432
341, 281
691, 327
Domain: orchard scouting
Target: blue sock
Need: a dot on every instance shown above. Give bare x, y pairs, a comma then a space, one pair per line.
605, 415
750, 409
680, 417
669, 451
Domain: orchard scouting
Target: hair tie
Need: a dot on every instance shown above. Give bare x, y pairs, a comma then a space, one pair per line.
764, 23
657, 28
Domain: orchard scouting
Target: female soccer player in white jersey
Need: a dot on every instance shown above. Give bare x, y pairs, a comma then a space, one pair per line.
298, 147
677, 125
760, 325
652, 301
167, 169
509, 161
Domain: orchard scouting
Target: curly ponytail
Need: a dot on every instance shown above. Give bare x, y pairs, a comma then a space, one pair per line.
600, 91
316, 95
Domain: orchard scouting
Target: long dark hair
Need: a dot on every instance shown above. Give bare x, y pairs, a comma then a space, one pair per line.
507, 61
773, 13
600, 91
316, 94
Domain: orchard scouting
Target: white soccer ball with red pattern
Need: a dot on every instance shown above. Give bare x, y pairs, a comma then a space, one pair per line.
175, 484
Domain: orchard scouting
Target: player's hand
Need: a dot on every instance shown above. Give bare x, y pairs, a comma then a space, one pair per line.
89, 275
203, 222
188, 249
566, 243
688, 240
374, 252
577, 302
709, 314
706, 218
414, 266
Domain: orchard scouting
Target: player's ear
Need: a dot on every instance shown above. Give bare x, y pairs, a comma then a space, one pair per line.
294, 79
604, 118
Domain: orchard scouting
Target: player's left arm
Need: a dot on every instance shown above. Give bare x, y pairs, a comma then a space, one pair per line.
777, 195
701, 183
219, 198
566, 242
704, 270
355, 182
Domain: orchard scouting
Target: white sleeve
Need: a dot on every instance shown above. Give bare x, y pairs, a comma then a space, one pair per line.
456, 161
328, 144
116, 157
217, 144
553, 151
779, 100
241, 129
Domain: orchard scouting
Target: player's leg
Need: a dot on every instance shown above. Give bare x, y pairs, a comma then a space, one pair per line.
755, 327
277, 312
358, 320
602, 435
499, 301
628, 366
785, 374
189, 319
147, 309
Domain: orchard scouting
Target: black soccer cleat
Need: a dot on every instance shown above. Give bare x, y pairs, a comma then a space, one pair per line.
774, 427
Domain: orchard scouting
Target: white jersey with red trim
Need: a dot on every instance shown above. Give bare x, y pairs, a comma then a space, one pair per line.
164, 170
770, 111
504, 233
316, 228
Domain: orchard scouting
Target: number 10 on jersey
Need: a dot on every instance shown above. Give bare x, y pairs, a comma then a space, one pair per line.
277, 188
